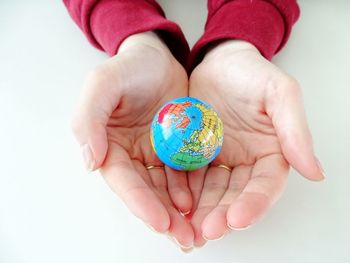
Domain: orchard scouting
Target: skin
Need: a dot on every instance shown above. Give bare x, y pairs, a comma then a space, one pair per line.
265, 131
112, 124
264, 124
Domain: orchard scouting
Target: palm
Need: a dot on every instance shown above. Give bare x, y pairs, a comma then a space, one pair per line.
263, 117
249, 133
150, 194
251, 146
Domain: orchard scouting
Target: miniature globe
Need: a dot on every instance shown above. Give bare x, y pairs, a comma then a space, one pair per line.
186, 134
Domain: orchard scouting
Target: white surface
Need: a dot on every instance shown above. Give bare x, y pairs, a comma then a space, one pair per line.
52, 211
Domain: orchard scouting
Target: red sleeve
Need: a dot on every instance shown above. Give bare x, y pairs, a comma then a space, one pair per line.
106, 23
264, 23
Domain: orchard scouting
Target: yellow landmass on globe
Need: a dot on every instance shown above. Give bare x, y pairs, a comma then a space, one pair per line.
207, 139
212, 124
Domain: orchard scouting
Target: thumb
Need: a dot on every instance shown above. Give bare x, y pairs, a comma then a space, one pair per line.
285, 107
99, 99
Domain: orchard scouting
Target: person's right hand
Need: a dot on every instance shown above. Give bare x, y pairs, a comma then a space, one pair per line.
112, 125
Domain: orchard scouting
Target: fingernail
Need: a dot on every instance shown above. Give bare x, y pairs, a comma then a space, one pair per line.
88, 158
199, 246
181, 245
151, 227
185, 213
238, 228
320, 167
213, 239
187, 250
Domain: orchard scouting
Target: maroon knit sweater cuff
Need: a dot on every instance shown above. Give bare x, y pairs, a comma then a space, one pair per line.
259, 22
107, 23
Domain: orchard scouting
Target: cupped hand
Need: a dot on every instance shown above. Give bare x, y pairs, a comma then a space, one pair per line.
265, 131
112, 124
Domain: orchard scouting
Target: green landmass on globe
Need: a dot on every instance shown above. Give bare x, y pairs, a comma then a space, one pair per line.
186, 134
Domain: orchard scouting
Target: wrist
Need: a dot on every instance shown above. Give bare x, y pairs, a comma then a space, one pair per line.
228, 47
150, 39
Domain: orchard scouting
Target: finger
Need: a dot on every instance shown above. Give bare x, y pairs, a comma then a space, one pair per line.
100, 97
215, 185
268, 179
140, 169
179, 190
180, 229
128, 184
285, 107
158, 178
195, 183
214, 226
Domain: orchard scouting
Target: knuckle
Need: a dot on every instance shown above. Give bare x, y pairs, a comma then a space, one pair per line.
291, 85
96, 76
79, 125
75, 126
283, 89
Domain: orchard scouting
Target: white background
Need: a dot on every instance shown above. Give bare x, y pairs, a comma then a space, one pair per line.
52, 211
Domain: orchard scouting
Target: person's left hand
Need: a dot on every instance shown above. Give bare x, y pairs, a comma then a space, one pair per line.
265, 130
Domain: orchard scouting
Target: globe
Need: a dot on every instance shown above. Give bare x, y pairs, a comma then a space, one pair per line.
186, 134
